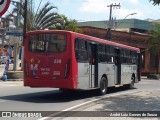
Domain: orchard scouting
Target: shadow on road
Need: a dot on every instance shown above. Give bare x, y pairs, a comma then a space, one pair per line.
57, 96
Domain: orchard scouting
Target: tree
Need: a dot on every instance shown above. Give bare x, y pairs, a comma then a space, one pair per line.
154, 42
40, 18
68, 24
155, 2
43, 18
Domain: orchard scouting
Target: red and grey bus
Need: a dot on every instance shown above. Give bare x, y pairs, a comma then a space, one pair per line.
69, 60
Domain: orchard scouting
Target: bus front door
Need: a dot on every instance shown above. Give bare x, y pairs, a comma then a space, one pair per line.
117, 67
93, 66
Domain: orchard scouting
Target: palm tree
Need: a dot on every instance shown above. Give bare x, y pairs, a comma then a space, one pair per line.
154, 42
43, 18
68, 24
155, 2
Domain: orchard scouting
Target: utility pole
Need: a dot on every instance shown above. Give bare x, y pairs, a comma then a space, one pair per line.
24, 31
3, 20
117, 6
17, 24
25, 21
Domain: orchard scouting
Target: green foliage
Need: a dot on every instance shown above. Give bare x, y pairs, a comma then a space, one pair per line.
155, 2
154, 42
47, 18
154, 39
68, 24
43, 18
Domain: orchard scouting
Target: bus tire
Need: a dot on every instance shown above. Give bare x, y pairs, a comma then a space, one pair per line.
131, 86
103, 86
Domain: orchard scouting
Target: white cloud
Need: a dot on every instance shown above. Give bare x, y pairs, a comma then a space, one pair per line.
100, 7
98, 10
93, 6
66, 1
132, 1
125, 13
97, 6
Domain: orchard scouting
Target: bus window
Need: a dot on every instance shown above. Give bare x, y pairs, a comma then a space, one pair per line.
126, 57
40, 46
102, 53
110, 54
107, 49
51, 43
81, 50
134, 57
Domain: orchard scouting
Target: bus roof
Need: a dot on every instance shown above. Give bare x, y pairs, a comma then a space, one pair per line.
87, 37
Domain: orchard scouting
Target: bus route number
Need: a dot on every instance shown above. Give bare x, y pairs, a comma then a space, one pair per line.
61, 37
57, 61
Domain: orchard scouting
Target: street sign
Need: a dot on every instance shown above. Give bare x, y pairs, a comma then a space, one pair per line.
4, 4
14, 31
14, 34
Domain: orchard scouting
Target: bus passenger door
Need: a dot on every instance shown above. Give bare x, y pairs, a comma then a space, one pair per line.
93, 65
117, 67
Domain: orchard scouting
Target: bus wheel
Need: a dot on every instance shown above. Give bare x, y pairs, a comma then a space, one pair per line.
103, 86
132, 82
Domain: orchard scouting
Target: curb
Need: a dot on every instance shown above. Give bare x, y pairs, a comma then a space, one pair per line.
14, 80
13, 75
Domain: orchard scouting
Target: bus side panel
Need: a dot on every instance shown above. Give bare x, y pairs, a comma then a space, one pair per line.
107, 69
139, 67
127, 72
74, 64
83, 76
134, 70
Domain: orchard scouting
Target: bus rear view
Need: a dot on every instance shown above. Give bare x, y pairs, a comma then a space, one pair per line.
47, 60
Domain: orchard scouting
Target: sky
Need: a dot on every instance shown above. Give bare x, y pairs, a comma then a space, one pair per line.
97, 10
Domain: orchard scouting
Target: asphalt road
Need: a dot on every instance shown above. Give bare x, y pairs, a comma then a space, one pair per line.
15, 97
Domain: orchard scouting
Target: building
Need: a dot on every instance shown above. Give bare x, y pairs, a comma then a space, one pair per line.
131, 32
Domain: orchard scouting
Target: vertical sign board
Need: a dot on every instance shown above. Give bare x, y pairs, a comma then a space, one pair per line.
4, 4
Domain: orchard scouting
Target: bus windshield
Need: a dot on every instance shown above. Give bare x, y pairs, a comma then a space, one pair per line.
47, 43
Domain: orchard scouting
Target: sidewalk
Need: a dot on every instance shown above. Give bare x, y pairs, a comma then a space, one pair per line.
12, 75
2, 70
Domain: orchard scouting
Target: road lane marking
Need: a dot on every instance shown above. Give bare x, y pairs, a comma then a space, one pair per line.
88, 102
